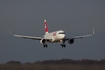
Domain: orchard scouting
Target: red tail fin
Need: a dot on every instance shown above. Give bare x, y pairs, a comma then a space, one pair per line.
46, 27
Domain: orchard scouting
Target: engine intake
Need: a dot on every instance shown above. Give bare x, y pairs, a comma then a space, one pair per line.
42, 41
71, 41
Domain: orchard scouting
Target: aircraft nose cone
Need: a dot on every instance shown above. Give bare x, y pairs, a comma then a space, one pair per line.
63, 36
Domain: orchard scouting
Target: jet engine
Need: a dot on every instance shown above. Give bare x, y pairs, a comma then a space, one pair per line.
71, 41
42, 41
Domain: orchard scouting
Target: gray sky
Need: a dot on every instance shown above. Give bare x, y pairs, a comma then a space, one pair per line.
76, 17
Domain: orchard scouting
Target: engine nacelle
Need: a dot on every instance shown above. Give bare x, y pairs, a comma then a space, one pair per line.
42, 41
71, 41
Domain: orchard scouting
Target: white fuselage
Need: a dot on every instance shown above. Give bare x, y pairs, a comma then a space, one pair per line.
56, 36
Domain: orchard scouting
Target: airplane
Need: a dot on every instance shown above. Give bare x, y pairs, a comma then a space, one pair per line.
51, 37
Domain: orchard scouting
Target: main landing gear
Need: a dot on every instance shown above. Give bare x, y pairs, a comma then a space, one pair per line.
63, 45
45, 45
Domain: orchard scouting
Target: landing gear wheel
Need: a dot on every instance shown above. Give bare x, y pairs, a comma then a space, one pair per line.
45, 46
63, 45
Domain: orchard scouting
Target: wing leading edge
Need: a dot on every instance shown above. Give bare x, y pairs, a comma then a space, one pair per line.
80, 37
26, 37
29, 37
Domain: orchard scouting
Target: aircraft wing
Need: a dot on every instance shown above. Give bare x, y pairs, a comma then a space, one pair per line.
80, 37
26, 37
29, 37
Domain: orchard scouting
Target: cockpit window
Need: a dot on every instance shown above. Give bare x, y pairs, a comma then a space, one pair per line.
62, 33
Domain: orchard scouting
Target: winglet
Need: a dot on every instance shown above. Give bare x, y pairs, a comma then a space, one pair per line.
93, 32
10, 32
